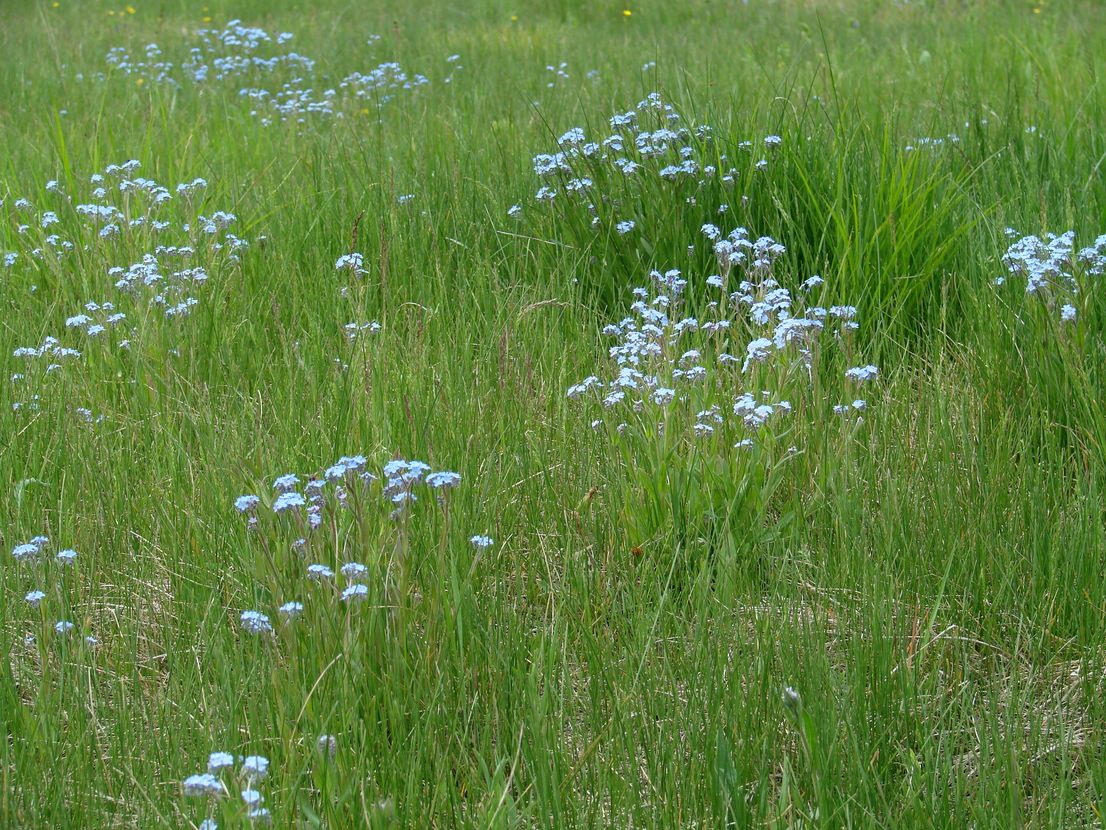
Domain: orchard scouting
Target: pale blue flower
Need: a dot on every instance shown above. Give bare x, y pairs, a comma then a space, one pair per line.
355, 593
354, 262
287, 481
26, 551
757, 351
66, 557
443, 479
481, 541
204, 784
290, 500
245, 504
34, 598
354, 571
254, 622
314, 517
663, 396
860, 374
291, 610
219, 760
255, 767
252, 797
572, 137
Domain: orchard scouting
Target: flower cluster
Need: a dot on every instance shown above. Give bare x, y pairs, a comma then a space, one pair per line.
284, 84
219, 54
356, 330
212, 784
650, 147
96, 318
344, 489
1054, 273
931, 142
173, 251
713, 368
34, 556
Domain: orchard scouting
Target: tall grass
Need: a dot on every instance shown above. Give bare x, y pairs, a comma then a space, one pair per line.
928, 587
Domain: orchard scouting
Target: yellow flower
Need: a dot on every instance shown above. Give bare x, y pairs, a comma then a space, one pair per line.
55, 4
140, 82
207, 19
514, 18
131, 10
626, 12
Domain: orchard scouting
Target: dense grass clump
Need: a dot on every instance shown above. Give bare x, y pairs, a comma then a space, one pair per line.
567, 414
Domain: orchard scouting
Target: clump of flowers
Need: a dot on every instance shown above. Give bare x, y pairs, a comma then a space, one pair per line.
283, 84
220, 781
649, 142
33, 557
725, 378
343, 496
651, 171
154, 246
1056, 276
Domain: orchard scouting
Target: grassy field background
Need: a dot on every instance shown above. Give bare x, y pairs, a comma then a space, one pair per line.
891, 618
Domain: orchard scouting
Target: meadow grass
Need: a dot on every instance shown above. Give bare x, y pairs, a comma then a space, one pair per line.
899, 623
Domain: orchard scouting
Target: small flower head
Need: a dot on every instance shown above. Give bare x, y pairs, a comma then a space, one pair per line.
31, 550
246, 504
443, 479
480, 541
205, 784
860, 374
254, 622
252, 797
289, 500
66, 557
287, 481
219, 760
255, 767
291, 610
355, 593
354, 571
